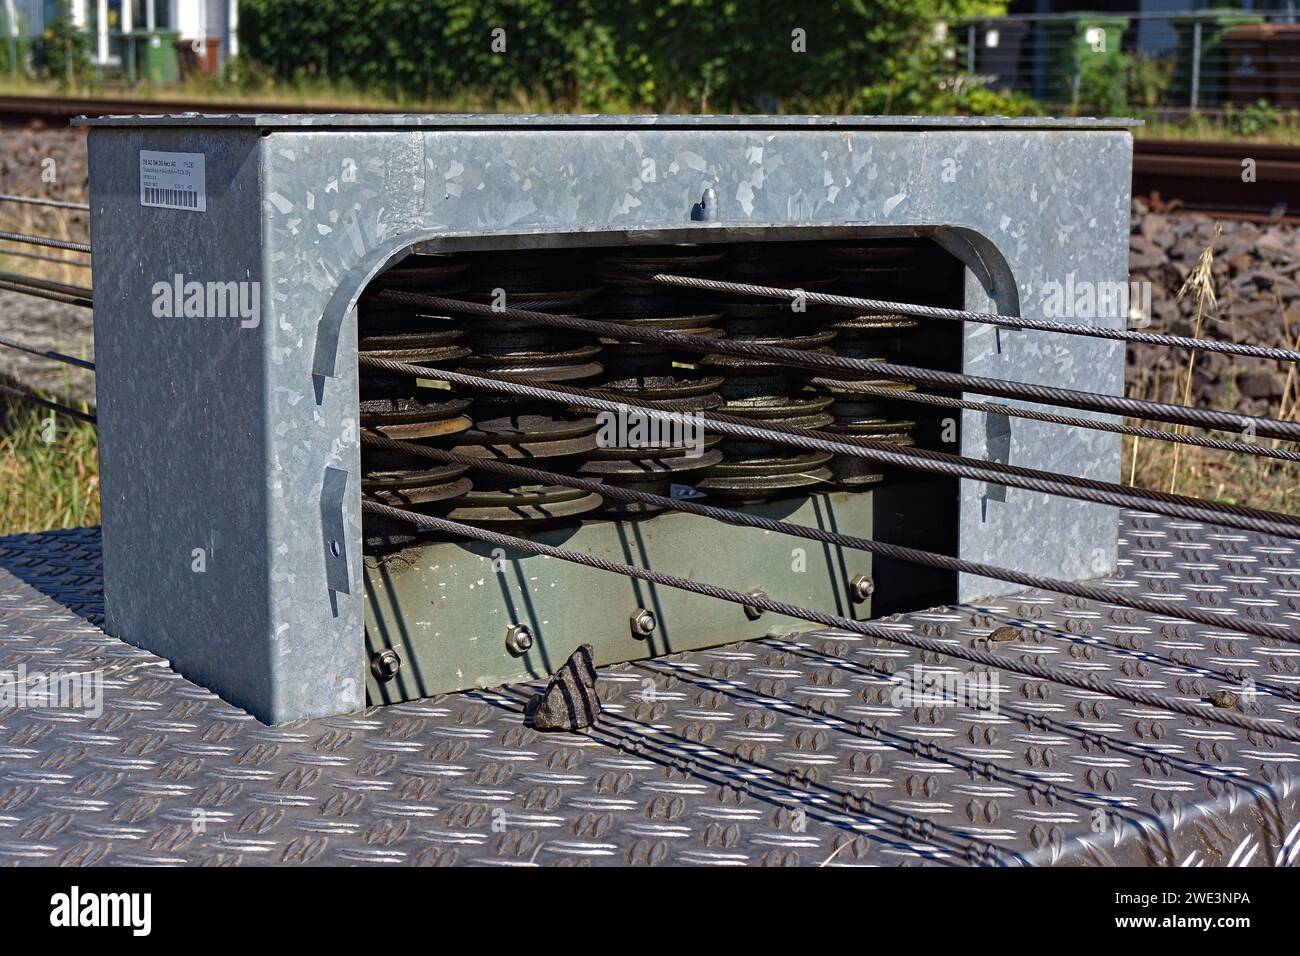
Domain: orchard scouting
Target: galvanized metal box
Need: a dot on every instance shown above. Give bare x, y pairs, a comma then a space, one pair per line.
229, 437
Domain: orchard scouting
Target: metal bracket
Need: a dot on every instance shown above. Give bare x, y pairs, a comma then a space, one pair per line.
991, 270
333, 534
342, 305
997, 447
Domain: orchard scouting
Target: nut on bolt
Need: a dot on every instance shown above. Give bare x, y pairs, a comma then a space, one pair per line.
385, 664
519, 639
751, 612
643, 622
861, 587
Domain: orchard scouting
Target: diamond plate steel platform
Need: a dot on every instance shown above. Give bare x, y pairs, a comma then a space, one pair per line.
779, 752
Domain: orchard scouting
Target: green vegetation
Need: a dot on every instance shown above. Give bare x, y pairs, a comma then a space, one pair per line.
49, 470
673, 56
1277, 127
611, 55
1147, 80
1257, 119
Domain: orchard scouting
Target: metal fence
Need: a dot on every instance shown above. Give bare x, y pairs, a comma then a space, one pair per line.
1110, 62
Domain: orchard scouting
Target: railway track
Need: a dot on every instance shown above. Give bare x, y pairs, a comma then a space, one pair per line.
1193, 175
1239, 180
58, 109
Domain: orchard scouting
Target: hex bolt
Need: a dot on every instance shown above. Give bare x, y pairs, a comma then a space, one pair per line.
643, 622
754, 613
385, 664
519, 638
861, 587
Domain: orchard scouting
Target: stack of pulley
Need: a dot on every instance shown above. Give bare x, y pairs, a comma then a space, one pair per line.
764, 392
631, 449
394, 406
636, 451
540, 434
873, 272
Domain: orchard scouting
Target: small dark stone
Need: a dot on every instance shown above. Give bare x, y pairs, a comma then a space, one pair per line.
1259, 384
569, 701
1222, 698
1001, 635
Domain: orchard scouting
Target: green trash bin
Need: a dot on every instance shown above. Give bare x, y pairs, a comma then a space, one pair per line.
1213, 84
1085, 50
158, 60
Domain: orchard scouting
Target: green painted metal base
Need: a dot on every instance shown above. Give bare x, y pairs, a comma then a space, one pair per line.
445, 607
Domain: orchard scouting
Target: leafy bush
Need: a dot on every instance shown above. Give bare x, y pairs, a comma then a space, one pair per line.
1148, 79
63, 54
609, 54
11, 48
1102, 86
978, 101
1257, 119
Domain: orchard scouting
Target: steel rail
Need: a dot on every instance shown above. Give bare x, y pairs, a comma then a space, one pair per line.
42, 201
962, 315
1085, 682
1265, 522
816, 361
931, 559
1201, 441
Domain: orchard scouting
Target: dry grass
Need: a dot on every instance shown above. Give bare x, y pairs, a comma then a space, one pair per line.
1218, 476
1200, 283
316, 94
49, 470
41, 261
1215, 475
49, 466
1236, 479
1206, 127
326, 95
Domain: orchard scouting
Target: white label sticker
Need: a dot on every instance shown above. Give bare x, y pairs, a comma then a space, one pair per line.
172, 180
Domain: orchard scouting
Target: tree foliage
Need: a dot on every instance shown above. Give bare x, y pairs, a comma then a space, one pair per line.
612, 54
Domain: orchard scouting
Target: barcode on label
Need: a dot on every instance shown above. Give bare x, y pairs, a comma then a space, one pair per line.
171, 180
185, 198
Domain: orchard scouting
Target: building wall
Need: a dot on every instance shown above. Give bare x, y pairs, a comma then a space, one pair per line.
196, 19
193, 19
32, 15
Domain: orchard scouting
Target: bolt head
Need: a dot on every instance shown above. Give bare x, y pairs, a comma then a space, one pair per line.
385, 664
706, 210
643, 622
519, 639
754, 613
861, 588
